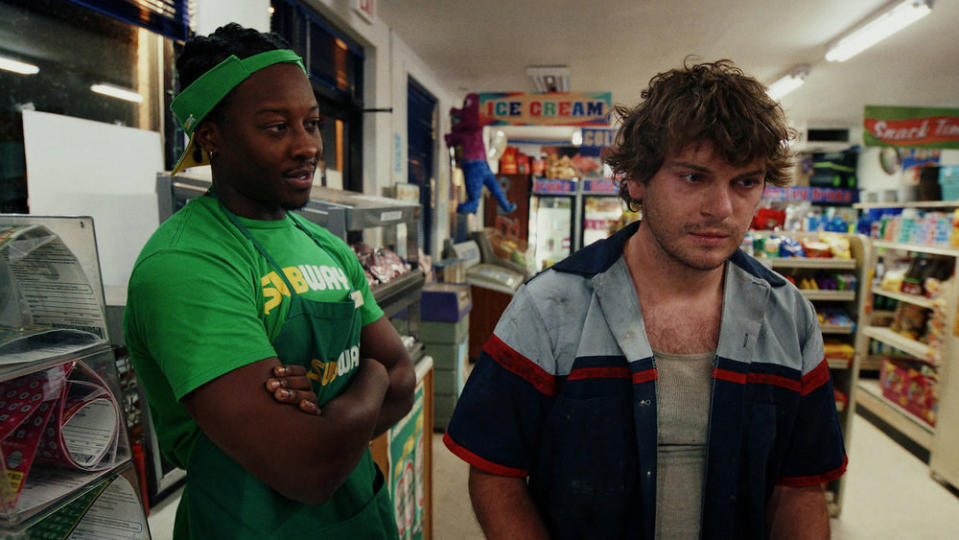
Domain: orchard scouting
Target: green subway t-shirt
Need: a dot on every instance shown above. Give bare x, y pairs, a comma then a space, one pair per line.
202, 302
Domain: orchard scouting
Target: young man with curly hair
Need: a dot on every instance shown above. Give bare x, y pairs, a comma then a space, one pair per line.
661, 383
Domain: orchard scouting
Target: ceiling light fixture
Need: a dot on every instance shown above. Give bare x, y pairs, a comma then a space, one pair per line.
117, 92
893, 18
549, 78
16, 66
788, 82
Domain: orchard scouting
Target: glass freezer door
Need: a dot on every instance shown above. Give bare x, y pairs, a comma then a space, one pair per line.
551, 229
600, 213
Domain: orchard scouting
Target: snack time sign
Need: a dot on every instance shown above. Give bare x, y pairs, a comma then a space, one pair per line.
545, 109
922, 127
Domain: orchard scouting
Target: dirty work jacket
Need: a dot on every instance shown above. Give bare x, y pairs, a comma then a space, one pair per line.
565, 393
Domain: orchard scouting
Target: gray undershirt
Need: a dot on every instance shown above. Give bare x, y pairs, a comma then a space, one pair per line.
683, 387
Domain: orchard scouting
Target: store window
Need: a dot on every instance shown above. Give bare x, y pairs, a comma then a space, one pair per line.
335, 64
64, 58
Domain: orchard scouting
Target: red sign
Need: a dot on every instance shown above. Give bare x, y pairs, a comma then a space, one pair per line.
911, 127
366, 8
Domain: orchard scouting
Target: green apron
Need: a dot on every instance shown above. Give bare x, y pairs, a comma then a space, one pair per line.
222, 500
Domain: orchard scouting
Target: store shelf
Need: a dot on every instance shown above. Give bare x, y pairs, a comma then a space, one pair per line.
838, 364
399, 293
933, 250
915, 204
894, 339
837, 296
811, 262
870, 398
920, 301
836, 328
872, 362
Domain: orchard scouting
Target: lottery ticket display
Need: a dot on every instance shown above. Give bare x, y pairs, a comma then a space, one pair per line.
63, 439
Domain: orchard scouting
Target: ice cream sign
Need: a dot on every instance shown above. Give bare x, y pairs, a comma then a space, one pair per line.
924, 127
546, 109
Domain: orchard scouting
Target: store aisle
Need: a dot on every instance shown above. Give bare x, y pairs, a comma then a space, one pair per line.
889, 495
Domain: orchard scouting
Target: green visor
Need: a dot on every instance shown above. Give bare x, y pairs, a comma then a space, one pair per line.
196, 101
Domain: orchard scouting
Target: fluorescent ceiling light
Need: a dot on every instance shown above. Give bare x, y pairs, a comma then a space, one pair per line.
891, 20
549, 78
117, 92
23, 68
789, 82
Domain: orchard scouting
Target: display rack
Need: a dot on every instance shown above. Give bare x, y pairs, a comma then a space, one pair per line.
64, 448
844, 374
941, 439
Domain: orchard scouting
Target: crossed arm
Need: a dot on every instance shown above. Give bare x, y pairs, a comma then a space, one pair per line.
306, 457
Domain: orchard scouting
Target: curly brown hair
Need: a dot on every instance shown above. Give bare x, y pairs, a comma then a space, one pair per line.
713, 102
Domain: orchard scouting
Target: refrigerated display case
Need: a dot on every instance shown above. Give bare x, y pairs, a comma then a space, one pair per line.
553, 230
602, 208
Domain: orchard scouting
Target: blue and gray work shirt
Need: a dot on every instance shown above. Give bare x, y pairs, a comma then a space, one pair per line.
565, 393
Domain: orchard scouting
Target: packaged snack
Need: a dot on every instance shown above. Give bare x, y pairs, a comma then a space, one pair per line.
771, 246
747, 243
909, 320
838, 245
912, 281
790, 247
815, 248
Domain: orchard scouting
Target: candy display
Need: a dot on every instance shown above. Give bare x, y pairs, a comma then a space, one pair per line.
834, 316
837, 351
911, 385
911, 226
828, 281
825, 245
380, 265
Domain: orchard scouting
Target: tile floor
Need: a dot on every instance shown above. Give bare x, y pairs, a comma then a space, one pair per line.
889, 495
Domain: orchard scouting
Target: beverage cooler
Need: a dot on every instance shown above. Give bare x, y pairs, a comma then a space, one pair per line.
553, 227
602, 209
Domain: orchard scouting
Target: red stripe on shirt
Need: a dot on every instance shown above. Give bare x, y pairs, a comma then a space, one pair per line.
756, 378
480, 463
599, 373
644, 376
775, 380
815, 378
804, 481
727, 375
518, 364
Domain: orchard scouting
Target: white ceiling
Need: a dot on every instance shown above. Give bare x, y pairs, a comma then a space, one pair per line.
618, 45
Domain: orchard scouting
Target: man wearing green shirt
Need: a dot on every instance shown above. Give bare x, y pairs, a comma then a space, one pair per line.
234, 289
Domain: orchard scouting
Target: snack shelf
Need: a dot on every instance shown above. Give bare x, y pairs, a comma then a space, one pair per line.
837, 296
932, 250
835, 363
894, 339
944, 438
914, 204
920, 301
870, 398
812, 262
844, 372
836, 328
